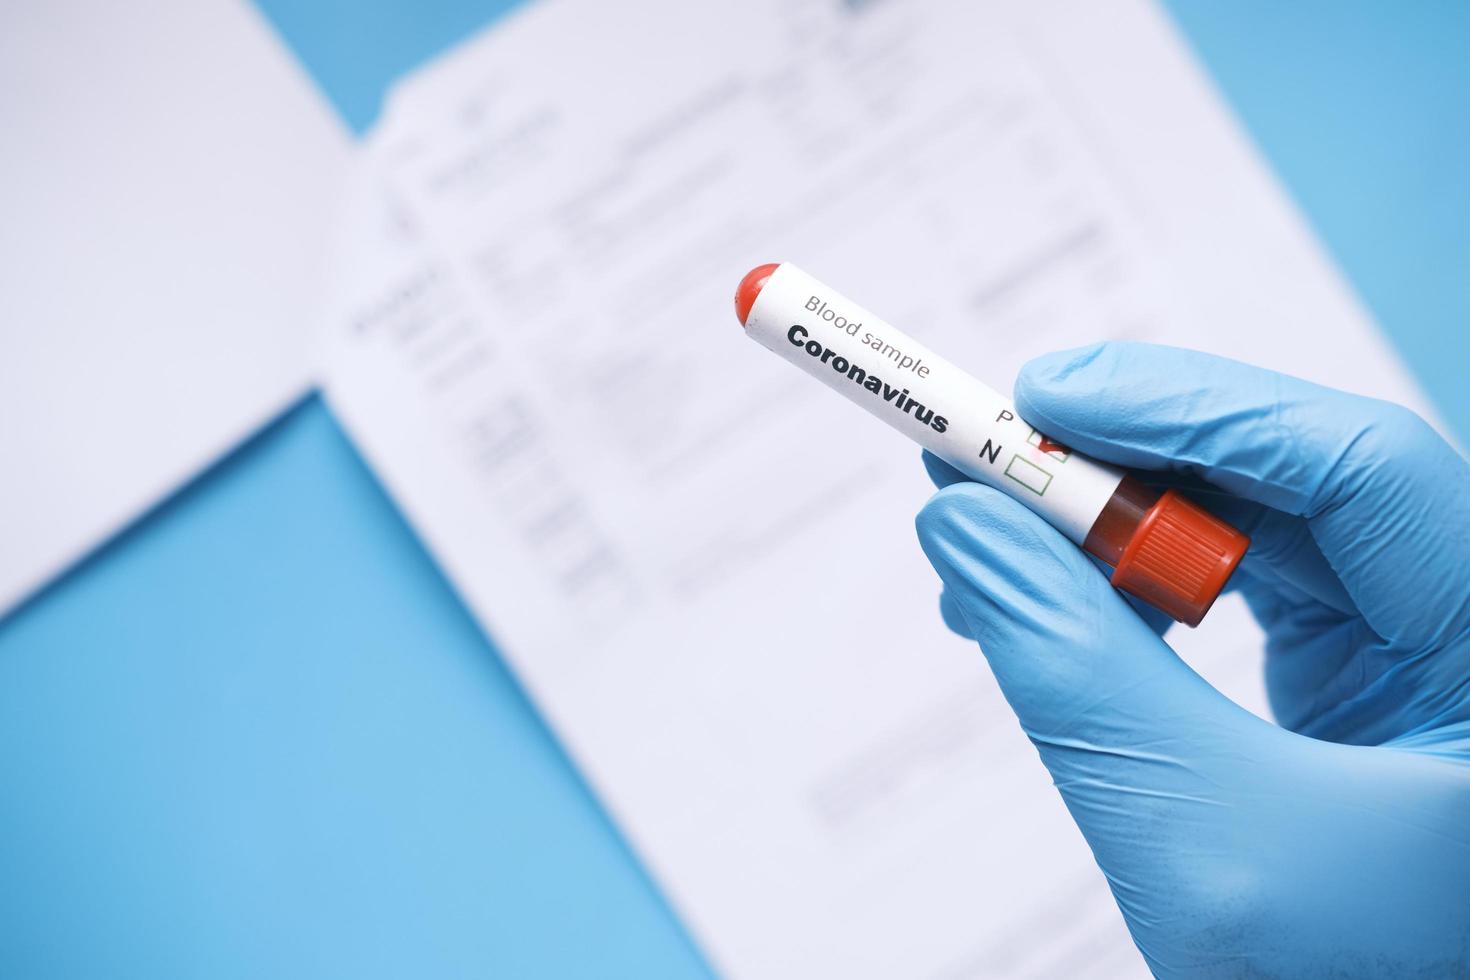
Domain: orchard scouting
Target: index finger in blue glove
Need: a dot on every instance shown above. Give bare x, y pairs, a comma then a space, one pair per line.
1083, 672
1379, 488
943, 475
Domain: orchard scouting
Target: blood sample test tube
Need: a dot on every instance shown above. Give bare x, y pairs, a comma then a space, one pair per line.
1162, 547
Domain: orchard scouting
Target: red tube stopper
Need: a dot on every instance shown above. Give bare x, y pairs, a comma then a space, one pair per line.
750, 287
1179, 558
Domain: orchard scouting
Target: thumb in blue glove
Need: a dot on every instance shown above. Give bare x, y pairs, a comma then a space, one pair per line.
1337, 845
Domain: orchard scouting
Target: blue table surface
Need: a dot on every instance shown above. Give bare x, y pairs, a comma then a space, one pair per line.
257, 735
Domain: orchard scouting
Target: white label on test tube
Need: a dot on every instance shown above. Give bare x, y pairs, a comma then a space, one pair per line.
925, 397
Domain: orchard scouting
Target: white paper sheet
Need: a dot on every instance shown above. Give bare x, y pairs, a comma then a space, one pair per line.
166, 186
701, 565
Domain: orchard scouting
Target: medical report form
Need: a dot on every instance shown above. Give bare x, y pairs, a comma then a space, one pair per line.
725, 615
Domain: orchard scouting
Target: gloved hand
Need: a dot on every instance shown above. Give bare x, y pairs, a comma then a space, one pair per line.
1337, 845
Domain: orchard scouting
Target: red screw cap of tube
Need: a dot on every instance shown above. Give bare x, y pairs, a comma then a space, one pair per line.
1179, 558
750, 287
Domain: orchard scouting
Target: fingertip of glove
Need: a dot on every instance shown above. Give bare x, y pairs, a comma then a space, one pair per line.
948, 514
1060, 365
1044, 379
976, 536
954, 530
940, 472
954, 616
1003, 567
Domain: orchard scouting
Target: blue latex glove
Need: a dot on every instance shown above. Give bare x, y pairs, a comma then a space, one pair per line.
1337, 845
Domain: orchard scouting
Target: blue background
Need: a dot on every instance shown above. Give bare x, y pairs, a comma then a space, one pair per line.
258, 735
